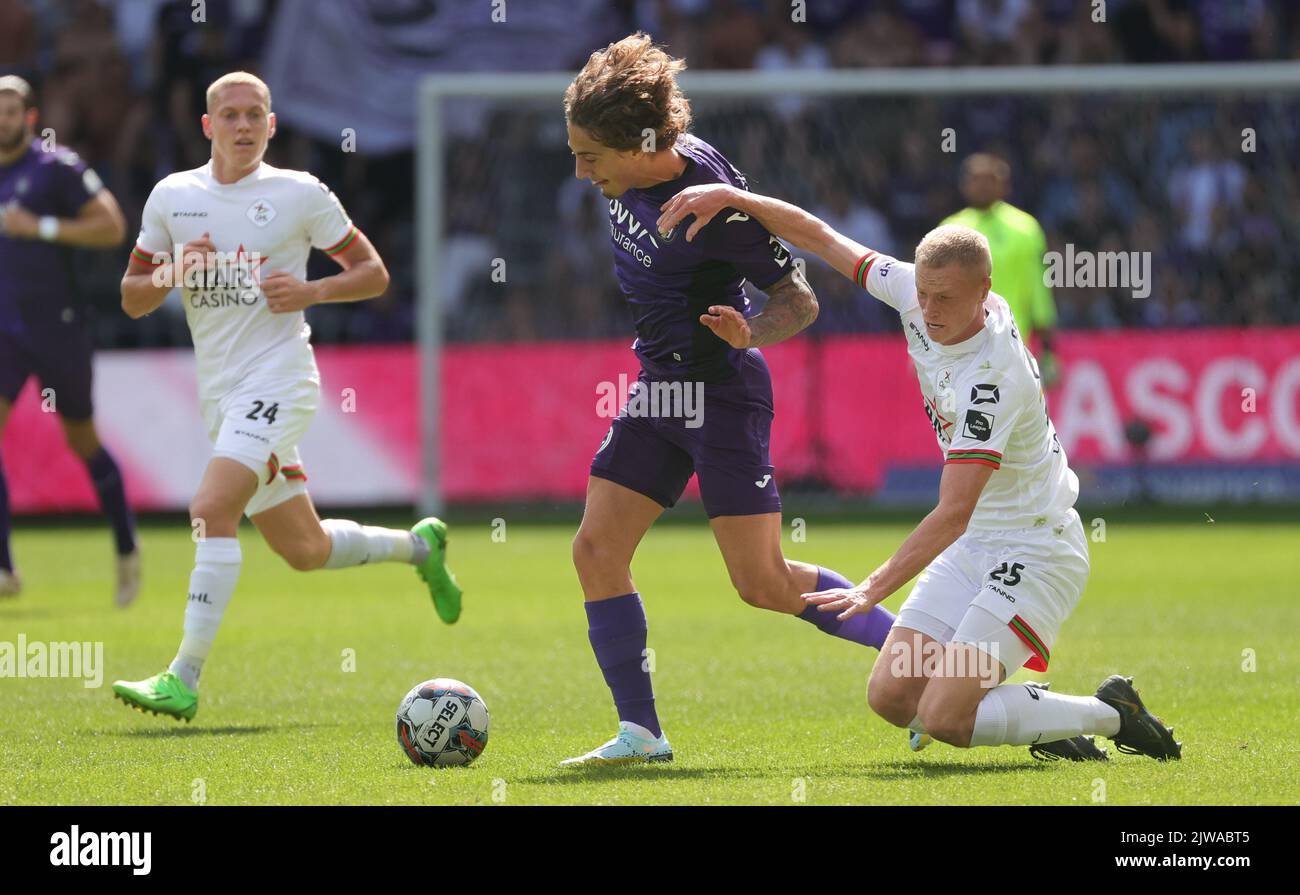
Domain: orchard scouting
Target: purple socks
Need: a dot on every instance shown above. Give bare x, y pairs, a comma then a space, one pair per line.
112, 499
617, 630
869, 629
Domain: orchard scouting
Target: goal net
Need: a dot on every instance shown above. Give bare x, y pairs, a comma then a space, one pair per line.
1187, 172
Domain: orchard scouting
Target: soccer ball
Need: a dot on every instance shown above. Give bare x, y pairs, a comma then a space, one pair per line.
441, 723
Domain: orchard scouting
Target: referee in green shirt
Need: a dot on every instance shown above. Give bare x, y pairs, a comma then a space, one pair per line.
1018, 247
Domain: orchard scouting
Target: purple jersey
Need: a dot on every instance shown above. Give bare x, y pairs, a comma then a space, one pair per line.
36, 283
670, 282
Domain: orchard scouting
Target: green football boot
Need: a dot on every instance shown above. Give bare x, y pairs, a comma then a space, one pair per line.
442, 584
162, 694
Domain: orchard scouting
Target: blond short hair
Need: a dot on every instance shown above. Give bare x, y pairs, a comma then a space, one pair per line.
955, 244
238, 77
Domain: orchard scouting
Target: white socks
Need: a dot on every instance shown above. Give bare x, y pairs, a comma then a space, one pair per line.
356, 545
212, 583
216, 570
1017, 715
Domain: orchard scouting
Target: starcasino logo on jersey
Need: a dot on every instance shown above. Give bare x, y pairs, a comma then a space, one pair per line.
223, 280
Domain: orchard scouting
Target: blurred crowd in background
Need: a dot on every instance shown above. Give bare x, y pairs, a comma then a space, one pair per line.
123, 83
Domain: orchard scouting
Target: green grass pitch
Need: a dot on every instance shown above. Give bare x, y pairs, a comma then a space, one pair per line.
760, 708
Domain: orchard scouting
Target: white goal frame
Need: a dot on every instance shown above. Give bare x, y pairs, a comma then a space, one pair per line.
431, 158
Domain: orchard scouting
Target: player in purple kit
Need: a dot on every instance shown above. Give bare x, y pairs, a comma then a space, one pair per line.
50, 202
627, 122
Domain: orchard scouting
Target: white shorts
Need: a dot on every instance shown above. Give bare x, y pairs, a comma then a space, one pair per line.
260, 426
1029, 580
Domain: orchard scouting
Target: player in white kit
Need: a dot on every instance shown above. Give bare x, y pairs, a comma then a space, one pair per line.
1002, 558
235, 236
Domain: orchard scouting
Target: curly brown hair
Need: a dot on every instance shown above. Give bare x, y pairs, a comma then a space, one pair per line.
625, 89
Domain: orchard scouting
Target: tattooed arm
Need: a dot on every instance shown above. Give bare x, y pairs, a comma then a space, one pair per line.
791, 307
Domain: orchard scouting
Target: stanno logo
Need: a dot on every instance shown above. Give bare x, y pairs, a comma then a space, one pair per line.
77, 849
920, 335
248, 434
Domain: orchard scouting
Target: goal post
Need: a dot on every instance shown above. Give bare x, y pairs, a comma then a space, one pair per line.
542, 94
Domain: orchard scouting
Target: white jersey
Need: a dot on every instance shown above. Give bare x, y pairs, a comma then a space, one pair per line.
984, 399
268, 221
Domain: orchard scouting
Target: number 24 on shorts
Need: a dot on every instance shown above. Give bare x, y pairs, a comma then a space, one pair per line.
259, 412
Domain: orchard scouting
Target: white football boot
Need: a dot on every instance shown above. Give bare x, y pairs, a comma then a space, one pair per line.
627, 747
10, 584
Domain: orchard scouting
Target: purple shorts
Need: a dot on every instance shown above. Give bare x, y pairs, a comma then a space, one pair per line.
59, 355
658, 441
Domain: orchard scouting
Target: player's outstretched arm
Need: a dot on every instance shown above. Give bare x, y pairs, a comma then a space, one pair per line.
959, 491
363, 276
789, 222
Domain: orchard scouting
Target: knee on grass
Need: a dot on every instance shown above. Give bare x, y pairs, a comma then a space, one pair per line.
946, 721
891, 700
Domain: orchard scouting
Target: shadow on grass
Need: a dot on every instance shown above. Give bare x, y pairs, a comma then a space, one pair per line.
16, 612
892, 770
889, 770
189, 730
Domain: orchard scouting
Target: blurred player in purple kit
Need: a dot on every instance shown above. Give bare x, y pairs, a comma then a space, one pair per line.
627, 121
50, 203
